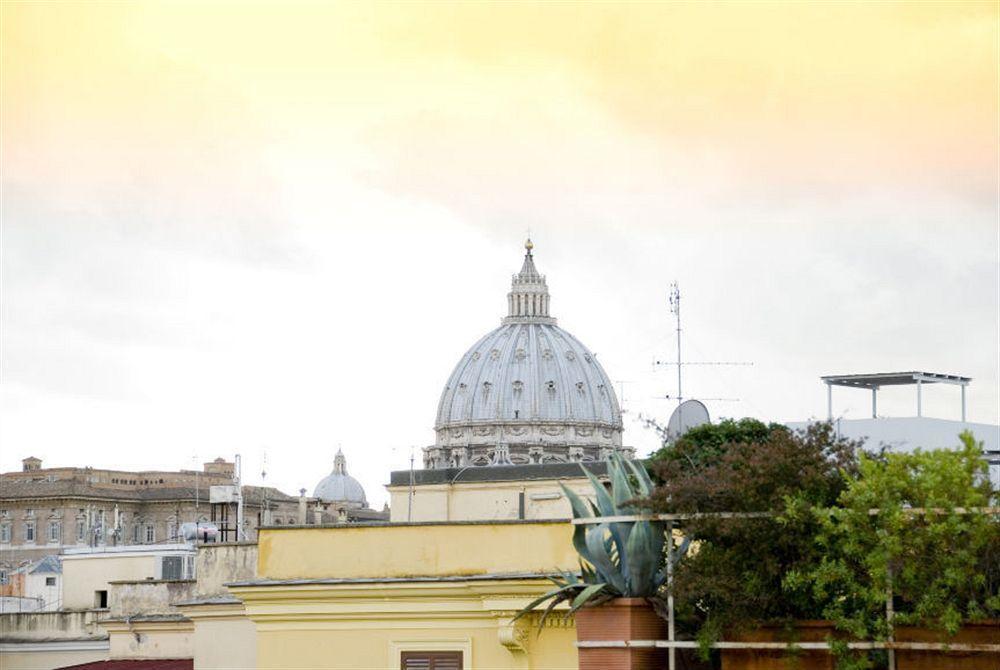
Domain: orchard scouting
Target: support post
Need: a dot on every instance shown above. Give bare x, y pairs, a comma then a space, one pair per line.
963, 403
920, 410
829, 401
671, 653
874, 402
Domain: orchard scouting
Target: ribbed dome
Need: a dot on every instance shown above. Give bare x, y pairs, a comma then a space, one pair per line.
340, 487
528, 372
527, 392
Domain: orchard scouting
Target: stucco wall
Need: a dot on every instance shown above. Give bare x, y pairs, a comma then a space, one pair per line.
404, 550
219, 564
148, 597
225, 643
50, 655
151, 639
41, 626
84, 575
484, 501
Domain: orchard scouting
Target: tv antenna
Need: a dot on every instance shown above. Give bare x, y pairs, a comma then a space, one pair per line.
675, 309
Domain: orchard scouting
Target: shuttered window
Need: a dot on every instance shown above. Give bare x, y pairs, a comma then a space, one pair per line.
431, 660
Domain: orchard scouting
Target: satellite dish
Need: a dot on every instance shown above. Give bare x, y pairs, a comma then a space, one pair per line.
689, 414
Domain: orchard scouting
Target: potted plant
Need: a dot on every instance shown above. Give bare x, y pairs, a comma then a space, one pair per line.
622, 572
733, 586
929, 550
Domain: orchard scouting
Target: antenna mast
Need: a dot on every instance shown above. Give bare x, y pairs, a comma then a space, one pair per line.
675, 309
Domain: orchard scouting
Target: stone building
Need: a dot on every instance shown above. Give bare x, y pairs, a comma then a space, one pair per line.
45, 511
527, 392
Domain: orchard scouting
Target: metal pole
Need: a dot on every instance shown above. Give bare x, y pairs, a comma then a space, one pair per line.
671, 657
874, 402
963, 403
829, 401
920, 411
889, 616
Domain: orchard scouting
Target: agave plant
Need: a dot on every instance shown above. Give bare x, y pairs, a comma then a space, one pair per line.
618, 559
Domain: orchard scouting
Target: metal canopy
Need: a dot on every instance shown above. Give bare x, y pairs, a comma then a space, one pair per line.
877, 379
874, 381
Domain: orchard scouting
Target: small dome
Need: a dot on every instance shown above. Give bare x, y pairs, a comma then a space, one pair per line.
340, 487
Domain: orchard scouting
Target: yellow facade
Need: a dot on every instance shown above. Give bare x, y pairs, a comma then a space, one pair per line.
359, 596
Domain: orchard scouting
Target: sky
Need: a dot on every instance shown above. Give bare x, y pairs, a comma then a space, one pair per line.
273, 228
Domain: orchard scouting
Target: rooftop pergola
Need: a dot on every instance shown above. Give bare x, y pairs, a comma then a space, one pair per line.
877, 380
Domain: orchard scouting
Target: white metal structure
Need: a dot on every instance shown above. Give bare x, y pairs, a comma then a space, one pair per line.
877, 380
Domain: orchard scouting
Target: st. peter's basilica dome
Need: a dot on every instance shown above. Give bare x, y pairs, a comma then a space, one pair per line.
526, 392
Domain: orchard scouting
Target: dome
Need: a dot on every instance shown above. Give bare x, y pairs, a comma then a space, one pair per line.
340, 487
526, 392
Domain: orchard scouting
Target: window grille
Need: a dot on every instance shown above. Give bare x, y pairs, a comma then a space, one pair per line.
172, 567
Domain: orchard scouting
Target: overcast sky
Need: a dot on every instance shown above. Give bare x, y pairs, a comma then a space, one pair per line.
275, 230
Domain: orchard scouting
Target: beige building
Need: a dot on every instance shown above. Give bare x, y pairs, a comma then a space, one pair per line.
50, 510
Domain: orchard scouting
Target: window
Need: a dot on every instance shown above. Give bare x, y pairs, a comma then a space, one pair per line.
55, 529
101, 599
136, 533
171, 530
50, 581
81, 530
431, 660
29, 531
5, 533
150, 533
3, 576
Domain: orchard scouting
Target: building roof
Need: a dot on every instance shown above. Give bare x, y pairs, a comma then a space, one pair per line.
496, 473
878, 379
77, 488
136, 664
46, 565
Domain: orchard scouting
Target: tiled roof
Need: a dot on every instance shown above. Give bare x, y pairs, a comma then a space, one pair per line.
74, 488
136, 664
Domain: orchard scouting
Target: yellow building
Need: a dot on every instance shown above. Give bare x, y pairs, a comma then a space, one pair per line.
370, 596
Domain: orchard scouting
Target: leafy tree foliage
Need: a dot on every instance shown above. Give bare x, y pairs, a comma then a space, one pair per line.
943, 566
736, 574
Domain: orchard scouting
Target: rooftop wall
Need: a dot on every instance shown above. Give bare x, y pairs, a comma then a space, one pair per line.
409, 550
219, 564
47, 626
148, 597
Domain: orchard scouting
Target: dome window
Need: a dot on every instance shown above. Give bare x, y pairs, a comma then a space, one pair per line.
551, 387
579, 388
486, 388
518, 387
494, 354
570, 356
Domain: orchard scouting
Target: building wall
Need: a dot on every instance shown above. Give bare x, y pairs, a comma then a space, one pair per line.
46, 640
357, 596
138, 638
218, 564
405, 550
148, 597
49, 595
84, 575
50, 655
224, 638
484, 501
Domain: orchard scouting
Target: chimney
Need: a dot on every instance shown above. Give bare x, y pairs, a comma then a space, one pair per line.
302, 507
